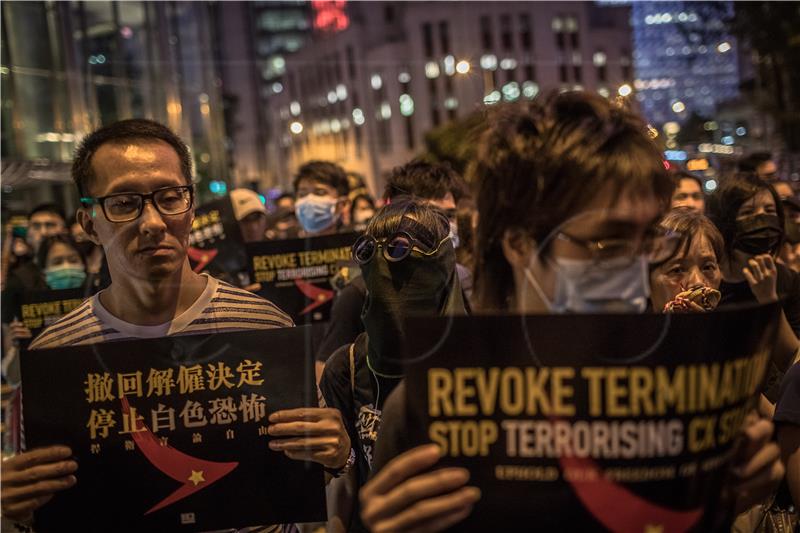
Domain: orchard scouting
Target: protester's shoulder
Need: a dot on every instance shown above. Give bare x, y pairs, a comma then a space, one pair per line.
788, 407
73, 328
227, 296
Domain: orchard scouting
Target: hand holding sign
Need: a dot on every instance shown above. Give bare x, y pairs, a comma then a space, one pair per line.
311, 434
32, 478
403, 498
18, 330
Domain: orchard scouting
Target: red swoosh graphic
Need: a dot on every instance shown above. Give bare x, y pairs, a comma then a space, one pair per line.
619, 509
176, 464
201, 256
317, 294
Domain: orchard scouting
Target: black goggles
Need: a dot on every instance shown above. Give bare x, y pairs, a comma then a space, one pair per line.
395, 248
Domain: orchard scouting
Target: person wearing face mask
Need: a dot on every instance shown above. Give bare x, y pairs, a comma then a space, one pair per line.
566, 188
408, 265
320, 197
362, 209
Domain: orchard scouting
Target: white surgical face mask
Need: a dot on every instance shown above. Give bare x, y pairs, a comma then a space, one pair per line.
582, 286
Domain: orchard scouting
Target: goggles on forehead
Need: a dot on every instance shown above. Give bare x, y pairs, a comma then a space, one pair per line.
395, 248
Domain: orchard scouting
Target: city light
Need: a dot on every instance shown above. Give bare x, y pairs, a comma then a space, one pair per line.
294, 108
710, 126
489, 62
492, 98
218, 187
296, 128
406, 105
277, 88
431, 70
624, 90
332, 97
599, 59
602, 91
358, 117
672, 128
508, 64
741, 132
336, 126
511, 91
386, 111
723, 47
679, 107
727, 140
530, 89
710, 185
450, 103
450, 65
404, 77
462, 67
376, 81
341, 92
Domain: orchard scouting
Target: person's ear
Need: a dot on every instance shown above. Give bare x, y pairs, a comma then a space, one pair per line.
518, 248
86, 218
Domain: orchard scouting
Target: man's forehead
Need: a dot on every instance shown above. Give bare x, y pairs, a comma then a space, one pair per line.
46, 215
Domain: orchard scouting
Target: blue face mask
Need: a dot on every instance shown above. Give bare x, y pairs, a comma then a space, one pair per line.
619, 286
65, 277
316, 213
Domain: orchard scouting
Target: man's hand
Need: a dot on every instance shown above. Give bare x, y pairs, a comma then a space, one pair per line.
757, 467
18, 330
310, 434
762, 276
31, 479
398, 499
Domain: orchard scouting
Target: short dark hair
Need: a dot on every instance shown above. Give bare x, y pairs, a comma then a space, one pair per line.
367, 198
324, 172
678, 175
135, 129
751, 162
49, 242
688, 224
48, 208
733, 192
428, 181
388, 219
540, 162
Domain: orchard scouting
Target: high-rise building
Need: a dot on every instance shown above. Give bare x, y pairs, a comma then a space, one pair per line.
684, 59
366, 96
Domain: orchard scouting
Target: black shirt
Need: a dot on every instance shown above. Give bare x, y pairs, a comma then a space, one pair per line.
345, 323
788, 408
788, 288
359, 396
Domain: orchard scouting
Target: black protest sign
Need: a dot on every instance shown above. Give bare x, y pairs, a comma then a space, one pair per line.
171, 434
584, 423
39, 309
215, 243
296, 274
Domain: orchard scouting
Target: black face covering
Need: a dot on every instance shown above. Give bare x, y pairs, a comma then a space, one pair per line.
416, 285
758, 234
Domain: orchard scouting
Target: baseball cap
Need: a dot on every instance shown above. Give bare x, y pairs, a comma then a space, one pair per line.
245, 202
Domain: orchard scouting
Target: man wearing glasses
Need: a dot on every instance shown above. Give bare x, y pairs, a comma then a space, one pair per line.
134, 178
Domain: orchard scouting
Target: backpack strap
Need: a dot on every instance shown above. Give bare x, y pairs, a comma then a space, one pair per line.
353, 369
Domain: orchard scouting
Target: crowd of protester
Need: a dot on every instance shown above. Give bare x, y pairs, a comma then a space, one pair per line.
567, 207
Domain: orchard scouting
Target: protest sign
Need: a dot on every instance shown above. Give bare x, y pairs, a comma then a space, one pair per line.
39, 309
215, 243
583, 423
171, 434
296, 274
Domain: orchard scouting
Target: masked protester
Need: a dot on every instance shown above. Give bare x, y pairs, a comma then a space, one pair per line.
747, 212
320, 197
408, 264
561, 184
62, 263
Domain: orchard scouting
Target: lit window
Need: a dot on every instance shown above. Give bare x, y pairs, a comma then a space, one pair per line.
489, 62
431, 70
557, 24
599, 59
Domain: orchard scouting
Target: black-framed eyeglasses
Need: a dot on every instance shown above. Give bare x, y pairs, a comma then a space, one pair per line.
127, 206
395, 248
657, 246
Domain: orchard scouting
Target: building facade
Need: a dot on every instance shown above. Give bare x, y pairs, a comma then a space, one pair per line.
685, 61
366, 96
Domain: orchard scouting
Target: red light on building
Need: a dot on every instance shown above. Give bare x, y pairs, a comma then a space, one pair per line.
330, 16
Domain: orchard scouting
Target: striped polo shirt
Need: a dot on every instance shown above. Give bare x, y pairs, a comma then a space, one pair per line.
221, 307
